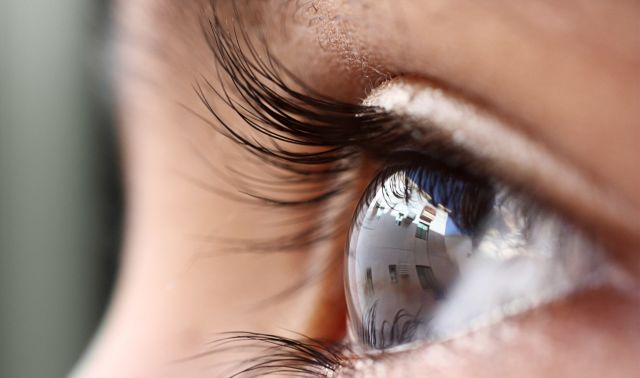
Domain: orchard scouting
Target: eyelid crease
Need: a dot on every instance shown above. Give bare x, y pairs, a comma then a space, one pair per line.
509, 155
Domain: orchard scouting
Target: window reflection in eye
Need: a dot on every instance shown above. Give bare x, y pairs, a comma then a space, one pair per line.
400, 244
430, 256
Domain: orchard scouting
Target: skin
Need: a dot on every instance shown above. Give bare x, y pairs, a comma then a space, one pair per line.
566, 75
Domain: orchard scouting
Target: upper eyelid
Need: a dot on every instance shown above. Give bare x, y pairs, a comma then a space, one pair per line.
509, 155
584, 198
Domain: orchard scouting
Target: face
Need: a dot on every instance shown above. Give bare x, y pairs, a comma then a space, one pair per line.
377, 188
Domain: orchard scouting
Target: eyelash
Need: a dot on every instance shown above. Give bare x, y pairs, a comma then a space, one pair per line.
341, 135
303, 357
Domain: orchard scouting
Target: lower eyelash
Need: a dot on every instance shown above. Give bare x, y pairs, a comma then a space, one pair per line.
303, 357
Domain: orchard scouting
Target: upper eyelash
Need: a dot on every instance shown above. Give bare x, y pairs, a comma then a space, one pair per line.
340, 133
254, 87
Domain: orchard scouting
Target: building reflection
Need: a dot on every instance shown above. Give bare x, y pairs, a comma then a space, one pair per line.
403, 256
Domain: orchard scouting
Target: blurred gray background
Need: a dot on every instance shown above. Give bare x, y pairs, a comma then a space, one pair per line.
59, 193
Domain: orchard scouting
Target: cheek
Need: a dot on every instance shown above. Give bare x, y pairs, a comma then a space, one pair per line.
577, 337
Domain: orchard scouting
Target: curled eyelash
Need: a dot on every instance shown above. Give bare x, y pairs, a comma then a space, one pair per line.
283, 114
280, 121
288, 118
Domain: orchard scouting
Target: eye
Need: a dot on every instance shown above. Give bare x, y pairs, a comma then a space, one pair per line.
437, 245
432, 254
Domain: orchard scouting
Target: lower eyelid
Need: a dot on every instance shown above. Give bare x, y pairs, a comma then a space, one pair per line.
590, 323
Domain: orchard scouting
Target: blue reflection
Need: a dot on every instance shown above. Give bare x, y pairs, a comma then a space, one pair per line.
452, 228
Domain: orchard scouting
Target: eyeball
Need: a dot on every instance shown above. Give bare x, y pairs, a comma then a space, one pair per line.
430, 255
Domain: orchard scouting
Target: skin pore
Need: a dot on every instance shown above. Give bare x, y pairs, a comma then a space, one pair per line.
563, 74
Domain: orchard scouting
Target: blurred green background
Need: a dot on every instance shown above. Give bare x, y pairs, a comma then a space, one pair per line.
59, 192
